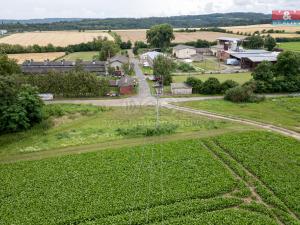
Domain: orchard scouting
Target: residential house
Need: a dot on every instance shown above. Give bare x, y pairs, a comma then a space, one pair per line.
47, 66
184, 51
181, 89
117, 62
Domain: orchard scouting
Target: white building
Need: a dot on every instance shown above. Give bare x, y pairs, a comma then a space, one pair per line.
181, 89
149, 57
184, 51
2, 32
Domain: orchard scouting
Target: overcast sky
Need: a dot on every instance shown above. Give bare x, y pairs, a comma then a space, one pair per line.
28, 9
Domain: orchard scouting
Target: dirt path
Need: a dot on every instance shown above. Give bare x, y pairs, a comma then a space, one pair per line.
265, 126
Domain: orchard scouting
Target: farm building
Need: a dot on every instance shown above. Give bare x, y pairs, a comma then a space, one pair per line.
2, 32
225, 44
251, 62
197, 57
184, 51
148, 58
181, 89
204, 51
32, 67
126, 85
249, 59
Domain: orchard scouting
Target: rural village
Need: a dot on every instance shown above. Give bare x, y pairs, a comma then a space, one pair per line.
159, 120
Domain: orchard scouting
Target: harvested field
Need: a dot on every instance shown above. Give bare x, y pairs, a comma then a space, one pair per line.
132, 35
260, 27
57, 38
140, 35
39, 57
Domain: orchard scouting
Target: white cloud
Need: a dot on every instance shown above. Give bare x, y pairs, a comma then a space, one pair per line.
25, 9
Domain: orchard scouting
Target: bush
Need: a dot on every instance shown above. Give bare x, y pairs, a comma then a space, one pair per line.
242, 94
228, 84
185, 67
211, 86
147, 130
195, 83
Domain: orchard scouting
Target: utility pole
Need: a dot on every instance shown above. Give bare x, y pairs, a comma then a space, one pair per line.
159, 90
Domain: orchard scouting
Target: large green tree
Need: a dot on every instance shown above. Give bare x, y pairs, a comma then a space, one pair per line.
108, 49
264, 72
20, 107
160, 36
254, 42
8, 66
270, 43
288, 65
163, 67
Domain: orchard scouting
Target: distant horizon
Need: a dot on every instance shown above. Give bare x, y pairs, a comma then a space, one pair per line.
101, 9
103, 18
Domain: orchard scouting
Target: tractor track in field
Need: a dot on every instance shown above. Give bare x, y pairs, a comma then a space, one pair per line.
261, 125
255, 177
250, 184
238, 177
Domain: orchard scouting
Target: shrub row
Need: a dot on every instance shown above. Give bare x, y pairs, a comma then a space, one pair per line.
210, 86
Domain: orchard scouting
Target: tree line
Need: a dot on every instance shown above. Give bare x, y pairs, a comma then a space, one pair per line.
210, 20
97, 44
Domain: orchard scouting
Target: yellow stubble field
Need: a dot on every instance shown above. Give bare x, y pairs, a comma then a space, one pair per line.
252, 28
57, 38
38, 57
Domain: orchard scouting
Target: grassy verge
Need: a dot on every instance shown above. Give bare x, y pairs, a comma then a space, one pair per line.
85, 56
290, 46
87, 125
284, 112
147, 70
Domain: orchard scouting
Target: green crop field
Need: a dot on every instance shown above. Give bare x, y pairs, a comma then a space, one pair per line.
219, 180
84, 125
290, 46
241, 78
284, 112
85, 56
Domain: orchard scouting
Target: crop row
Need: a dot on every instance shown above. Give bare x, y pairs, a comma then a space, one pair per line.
93, 186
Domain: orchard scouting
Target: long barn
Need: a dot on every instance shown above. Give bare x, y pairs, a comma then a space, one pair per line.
31, 67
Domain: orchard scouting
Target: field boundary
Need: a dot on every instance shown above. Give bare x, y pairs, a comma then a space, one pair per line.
266, 126
111, 145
